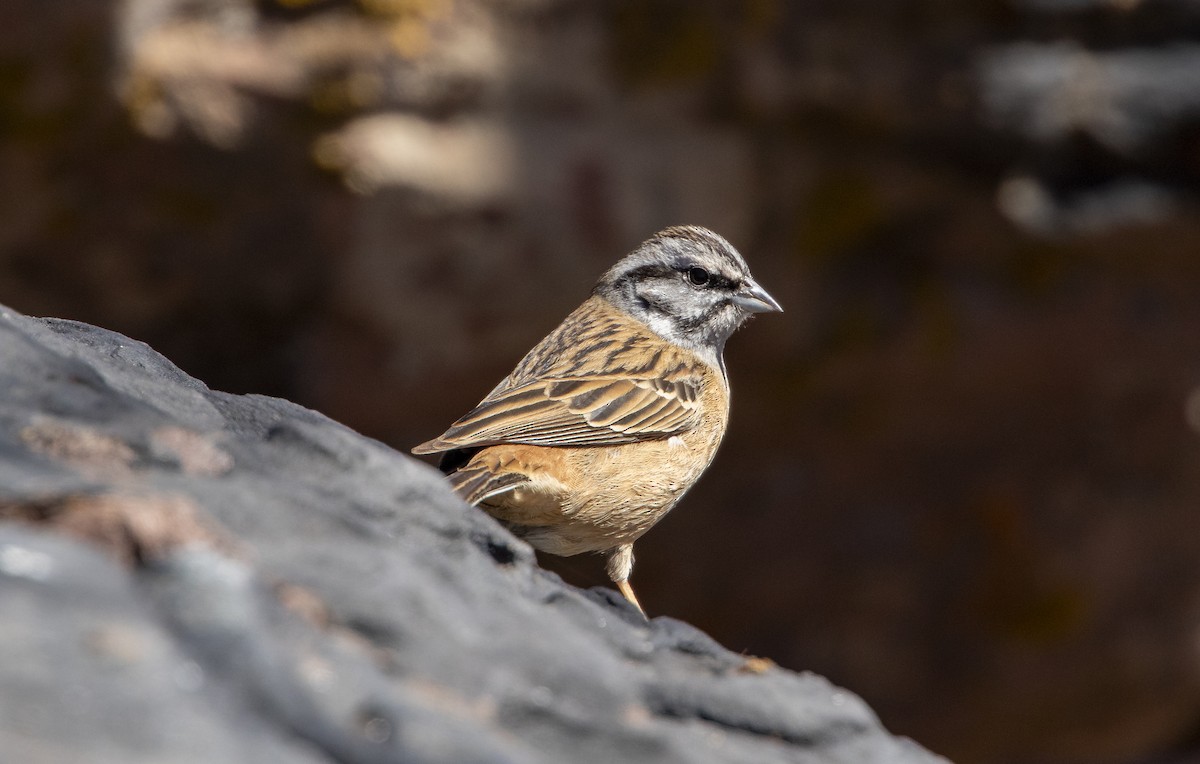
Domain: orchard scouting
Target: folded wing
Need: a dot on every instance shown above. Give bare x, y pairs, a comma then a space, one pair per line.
577, 411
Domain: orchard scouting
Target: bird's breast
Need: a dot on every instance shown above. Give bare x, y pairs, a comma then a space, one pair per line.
594, 498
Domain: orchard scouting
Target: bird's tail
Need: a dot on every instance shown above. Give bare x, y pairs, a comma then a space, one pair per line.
475, 483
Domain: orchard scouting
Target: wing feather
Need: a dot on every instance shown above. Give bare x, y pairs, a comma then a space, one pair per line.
576, 412
558, 396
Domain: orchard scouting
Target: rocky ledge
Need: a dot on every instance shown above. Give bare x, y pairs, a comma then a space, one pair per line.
193, 576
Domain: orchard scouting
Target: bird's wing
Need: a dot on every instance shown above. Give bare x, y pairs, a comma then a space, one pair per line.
578, 411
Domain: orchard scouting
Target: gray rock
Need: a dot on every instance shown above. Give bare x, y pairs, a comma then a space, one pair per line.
188, 575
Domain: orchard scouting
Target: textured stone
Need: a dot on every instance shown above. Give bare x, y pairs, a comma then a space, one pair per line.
193, 576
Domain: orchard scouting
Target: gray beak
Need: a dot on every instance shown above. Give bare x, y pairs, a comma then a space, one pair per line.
754, 299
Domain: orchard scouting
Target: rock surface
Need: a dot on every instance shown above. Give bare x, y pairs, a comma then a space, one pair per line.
193, 576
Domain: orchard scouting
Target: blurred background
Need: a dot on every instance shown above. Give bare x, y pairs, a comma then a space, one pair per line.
962, 476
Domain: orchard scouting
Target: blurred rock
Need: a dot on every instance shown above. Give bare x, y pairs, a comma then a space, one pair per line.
1029, 204
1122, 99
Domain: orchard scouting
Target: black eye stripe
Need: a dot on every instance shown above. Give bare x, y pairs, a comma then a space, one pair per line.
655, 270
713, 280
644, 272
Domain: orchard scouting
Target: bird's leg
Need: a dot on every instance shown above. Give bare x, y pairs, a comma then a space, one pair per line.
627, 590
619, 566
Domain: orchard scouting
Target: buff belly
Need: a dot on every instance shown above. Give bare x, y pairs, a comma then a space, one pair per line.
592, 499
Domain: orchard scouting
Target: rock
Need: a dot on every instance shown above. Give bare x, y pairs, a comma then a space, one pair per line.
193, 576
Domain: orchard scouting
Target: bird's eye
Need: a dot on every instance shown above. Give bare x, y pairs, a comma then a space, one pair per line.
697, 275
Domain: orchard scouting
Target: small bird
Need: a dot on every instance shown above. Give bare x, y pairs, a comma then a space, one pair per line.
609, 420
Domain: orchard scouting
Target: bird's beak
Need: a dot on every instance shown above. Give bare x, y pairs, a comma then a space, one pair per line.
754, 299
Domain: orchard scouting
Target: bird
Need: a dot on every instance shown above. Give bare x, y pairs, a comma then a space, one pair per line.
607, 422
